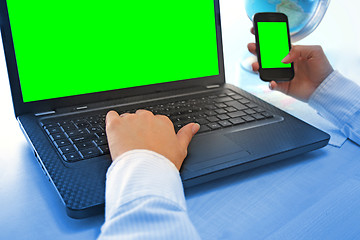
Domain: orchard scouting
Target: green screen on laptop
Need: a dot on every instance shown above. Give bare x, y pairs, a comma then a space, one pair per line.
66, 48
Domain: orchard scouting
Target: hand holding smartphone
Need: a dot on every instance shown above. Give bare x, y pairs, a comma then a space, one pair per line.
272, 46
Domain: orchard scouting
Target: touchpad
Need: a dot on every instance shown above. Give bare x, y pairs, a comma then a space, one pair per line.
210, 150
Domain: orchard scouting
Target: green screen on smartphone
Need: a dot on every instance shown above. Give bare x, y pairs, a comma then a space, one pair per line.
273, 43
67, 47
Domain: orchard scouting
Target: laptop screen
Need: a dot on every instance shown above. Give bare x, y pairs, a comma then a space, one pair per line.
66, 48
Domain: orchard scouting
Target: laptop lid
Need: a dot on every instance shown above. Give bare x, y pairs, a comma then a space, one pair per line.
61, 53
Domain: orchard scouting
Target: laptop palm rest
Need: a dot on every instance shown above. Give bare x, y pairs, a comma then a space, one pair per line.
213, 151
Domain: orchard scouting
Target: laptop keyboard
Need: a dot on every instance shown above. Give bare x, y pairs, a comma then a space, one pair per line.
84, 137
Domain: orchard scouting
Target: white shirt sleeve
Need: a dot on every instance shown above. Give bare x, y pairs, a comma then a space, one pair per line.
338, 100
145, 199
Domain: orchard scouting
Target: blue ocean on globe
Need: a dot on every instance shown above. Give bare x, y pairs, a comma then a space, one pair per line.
298, 11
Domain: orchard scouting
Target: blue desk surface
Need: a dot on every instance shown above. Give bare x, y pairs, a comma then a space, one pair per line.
312, 196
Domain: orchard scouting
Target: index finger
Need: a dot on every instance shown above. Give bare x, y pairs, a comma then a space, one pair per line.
252, 48
252, 30
144, 112
110, 116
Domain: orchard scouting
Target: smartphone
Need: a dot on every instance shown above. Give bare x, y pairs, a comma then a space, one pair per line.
272, 45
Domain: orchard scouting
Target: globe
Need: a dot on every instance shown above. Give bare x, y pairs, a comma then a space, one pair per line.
304, 16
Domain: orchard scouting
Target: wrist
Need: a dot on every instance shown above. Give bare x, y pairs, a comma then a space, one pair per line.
128, 154
322, 86
321, 80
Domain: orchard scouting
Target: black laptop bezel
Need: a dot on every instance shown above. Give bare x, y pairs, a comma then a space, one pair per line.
21, 108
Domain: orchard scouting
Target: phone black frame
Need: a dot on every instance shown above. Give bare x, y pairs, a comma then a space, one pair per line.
272, 74
20, 107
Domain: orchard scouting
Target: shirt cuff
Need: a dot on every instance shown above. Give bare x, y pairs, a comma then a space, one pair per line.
336, 99
140, 173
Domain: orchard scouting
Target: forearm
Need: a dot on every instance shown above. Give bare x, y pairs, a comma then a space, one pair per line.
145, 199
338, 100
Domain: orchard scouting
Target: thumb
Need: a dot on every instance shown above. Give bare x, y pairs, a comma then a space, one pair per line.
294, 54
186, 133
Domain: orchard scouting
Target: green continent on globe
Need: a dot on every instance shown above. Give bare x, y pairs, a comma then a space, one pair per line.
293, 10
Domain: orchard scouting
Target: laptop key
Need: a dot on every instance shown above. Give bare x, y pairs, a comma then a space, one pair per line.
203, 128
210, 113
237, 97
178, 125
98, 126
94, 122
84, 145
223, 117
214, 126
100, 141
82, 124
230, 109
201, 121
220, 105
72, 157
53, 130
267, 115
91, 152
100, 134
68, 127
259, 109
57, 136
64, 122
76, 132
248, 118
225, 123
62, 142
237, 114
258, 116
201, 115
94, 129
224, 99
244, 101
50, 125
212, 119
251, 105
84, 138
249, 111
237, 121
237, 105
185, 118
220, 111
67, 149
210, 107
105, 149
91, 118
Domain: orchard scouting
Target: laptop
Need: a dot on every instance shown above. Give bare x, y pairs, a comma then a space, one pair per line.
70, 63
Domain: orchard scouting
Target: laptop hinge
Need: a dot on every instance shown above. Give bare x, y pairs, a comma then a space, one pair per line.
213, 86
44, 113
